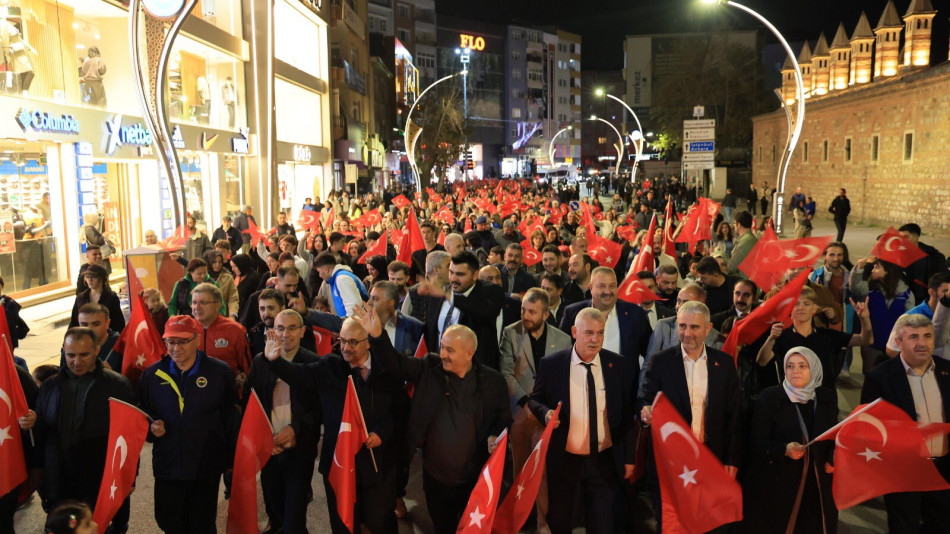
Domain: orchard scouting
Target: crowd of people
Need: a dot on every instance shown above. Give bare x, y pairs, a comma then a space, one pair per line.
516, 315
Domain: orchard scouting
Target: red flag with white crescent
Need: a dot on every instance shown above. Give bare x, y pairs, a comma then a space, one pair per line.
140, 343
255, 445
379, 249
697, 493
605, 251
531, 255
634, 291
479, 515
400, 201
879, 449
371, 218
421, 351
645, 259
128, 428
256, 234
349, 441
13, 406
516, 508
309, 220
893, 247
324, 339
415, 233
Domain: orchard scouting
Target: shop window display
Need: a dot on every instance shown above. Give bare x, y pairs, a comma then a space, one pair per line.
205, 86
28, 243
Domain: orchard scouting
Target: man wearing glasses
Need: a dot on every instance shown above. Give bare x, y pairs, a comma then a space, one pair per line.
192, 400
223, 338
285, 479
384, 404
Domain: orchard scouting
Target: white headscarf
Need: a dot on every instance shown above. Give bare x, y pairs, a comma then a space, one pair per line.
807, 393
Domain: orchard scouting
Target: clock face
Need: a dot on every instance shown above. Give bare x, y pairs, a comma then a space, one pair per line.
163, 9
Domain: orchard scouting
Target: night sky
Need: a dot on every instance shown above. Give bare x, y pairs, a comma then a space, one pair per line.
604, 23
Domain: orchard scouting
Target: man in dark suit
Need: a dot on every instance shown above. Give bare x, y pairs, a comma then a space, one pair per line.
285, 479
919, 384
579, 268
430, 238
470, 302
404, 332
511, 309
702, 385
459, 408
515, 279
384, 404
744, 300
592, 447
553, 285
654, 310
627, 328
271, 302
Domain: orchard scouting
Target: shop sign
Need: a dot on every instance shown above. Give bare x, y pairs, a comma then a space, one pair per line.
473, 42
302, 153
240, 144
42, 121
119, 135
177, 139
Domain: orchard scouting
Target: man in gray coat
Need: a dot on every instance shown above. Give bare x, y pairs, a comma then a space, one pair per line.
523, 344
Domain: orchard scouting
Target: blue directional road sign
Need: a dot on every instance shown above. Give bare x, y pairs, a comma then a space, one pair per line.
700, 146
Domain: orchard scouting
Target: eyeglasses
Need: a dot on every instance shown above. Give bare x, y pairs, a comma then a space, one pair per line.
351, 342
291, 328
204, 302
172, 343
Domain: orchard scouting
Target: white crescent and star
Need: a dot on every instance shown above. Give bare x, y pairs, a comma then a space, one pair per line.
344, 427
812, 252
887, 244
670, 427
688, 477
6, 398
120, 445
868, 454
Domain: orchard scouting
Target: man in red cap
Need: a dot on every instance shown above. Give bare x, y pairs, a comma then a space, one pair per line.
192, 400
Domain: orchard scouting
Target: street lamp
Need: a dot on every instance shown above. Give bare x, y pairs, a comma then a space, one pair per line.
777, 205
551, 147
637, 146
618, 146
410, 145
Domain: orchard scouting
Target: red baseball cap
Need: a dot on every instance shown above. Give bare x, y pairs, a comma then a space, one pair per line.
182, 326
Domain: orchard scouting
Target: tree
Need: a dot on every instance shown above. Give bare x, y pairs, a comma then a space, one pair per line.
444, 135
715, 72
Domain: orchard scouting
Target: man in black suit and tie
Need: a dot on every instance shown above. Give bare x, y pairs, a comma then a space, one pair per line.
515, 279
919, 384
467, 301
744, 300
384, 403
627, 328
285, 479
702, 385
592, 447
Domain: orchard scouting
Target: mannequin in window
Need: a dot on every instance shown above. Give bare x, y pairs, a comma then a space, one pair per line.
229, 99
15, 53
203, 108
93, 68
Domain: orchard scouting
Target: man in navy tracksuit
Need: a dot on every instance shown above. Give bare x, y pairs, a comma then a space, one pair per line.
193, 400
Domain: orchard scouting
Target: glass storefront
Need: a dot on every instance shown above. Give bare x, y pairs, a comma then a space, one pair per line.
205, 86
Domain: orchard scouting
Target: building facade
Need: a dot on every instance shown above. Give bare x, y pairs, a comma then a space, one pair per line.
882, 139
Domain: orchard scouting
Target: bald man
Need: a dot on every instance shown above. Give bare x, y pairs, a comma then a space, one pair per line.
384, 403
459, 408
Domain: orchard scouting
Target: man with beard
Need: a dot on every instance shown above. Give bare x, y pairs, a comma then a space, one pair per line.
919, 272
551, 263
744, 300
508, 234
579, 268
399, 274
654, 310
667, 285
515, 280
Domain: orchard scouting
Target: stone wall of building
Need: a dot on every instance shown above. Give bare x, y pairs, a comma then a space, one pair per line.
890, 190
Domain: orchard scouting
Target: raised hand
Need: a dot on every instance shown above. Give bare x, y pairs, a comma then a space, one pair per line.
272, 345
369, 319
860, 309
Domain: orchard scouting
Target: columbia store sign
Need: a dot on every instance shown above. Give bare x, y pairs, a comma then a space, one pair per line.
42, 121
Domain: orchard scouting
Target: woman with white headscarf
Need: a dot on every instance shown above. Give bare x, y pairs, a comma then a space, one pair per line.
789, 486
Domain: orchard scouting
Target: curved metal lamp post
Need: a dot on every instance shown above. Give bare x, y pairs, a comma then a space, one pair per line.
551, 147
618, 146
799, 122
411, 143
637, 146
163, 21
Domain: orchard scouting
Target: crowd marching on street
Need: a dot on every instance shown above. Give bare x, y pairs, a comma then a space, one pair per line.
554, 358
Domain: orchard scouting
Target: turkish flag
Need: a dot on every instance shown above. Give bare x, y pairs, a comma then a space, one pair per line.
532, 256
628, 232
517, 506
599, 216
379, 249
775, 310
309, 220
433, 196
403, 252
645, 260
507, 209
441, 238
328, 222
371, 218
421, 352
879, 449
634, 291
324, 339
128, 428
255, 444
712, 208
892, 247
696, 228
587, 220
349, 440
415, 233
445, 215
479, 515
176, 241
605, 251
5, 333
765, 263
13, 407
256, 233
400, 201
468, 224
461, 196
135, 285
669, 245
697, 493
140, 343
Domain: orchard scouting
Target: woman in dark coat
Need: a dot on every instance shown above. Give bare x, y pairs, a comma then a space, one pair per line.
789, 485
99, 291
245, 277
